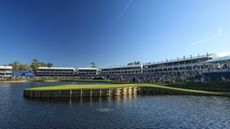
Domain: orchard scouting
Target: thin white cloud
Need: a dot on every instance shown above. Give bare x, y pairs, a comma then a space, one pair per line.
125, 8
218, 34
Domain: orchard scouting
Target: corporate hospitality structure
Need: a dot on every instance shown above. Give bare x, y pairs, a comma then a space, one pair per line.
123, 71
87, 73
179, 69
200, 68
55, 71
5, 72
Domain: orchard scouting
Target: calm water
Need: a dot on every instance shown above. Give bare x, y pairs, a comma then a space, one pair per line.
186, 112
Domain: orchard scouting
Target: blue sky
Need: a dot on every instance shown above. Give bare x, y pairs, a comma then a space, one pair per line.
111, 32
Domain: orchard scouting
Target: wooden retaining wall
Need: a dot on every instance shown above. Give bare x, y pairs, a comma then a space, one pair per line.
84, 93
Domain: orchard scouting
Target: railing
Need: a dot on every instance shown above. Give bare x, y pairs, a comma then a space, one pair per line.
181, 59
217, 70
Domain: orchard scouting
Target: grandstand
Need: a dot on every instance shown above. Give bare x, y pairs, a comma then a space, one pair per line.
129, 72
87, 73
200, 68
179, 65
219, 69
55, 71
197, 68
5, 72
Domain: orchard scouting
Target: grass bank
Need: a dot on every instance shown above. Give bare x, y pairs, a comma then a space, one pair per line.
209, 86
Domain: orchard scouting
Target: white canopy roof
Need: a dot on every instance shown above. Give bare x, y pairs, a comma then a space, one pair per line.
64, 68
219, 59
87, 68
6, 67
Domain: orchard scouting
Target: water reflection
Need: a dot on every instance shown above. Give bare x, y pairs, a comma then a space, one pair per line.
176, 112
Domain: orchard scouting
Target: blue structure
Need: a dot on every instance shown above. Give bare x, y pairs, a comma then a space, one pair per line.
19, 73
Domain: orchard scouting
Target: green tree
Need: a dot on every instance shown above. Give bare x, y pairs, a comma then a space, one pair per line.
24, 67
36, 63
18, 66
15, 65
93, 65
49, 65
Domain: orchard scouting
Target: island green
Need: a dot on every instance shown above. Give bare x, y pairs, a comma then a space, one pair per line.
111, 86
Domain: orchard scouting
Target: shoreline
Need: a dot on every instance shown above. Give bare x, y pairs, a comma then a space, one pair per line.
18, 81
54, 80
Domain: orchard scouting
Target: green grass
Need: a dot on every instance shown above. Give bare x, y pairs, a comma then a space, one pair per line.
187, 90
107, 86
81, 86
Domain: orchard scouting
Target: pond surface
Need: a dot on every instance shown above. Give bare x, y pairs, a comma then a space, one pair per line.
184, 112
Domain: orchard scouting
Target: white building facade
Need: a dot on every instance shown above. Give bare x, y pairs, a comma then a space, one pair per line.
6, 71
87, 73
129, 72
55, 71
167, 71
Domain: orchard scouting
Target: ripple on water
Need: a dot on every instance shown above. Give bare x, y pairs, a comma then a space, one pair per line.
143, 112
104, 110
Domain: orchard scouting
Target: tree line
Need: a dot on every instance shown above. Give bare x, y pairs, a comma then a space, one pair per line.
32, 67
